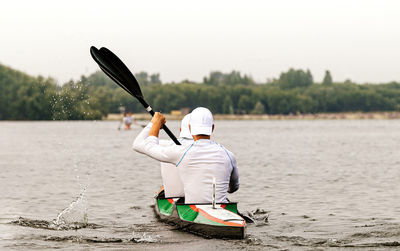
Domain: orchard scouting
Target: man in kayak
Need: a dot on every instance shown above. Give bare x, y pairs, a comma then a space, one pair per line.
199, 162
172, 183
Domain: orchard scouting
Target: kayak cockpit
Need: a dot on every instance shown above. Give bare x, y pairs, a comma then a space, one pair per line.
223, 221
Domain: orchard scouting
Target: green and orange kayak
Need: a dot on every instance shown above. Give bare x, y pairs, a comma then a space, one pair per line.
221, 221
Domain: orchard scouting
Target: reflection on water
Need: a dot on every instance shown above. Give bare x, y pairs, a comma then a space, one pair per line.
323, 184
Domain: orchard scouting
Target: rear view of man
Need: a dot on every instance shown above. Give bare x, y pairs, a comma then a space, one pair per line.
199, 162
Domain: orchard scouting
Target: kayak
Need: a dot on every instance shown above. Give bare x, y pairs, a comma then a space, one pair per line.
220, 220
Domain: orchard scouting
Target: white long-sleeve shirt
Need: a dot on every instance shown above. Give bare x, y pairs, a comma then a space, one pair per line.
198, 163
171, 179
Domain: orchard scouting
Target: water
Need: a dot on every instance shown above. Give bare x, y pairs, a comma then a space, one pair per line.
325, 185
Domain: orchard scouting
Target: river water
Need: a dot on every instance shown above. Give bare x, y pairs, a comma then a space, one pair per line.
325, 184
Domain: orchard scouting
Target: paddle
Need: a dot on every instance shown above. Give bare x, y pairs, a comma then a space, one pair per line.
113, 67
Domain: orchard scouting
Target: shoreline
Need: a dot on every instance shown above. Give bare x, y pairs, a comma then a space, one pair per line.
317, 116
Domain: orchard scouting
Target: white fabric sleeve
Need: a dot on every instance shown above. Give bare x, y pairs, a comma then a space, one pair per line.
149, 145
165, 142
234, 181
142, 135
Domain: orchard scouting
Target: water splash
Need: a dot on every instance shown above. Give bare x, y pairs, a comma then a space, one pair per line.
72, 217
144, 238
75, 214
259, 216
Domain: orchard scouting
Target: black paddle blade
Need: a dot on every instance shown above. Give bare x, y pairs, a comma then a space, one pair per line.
111, 65
127, 81
127, 77
107, 68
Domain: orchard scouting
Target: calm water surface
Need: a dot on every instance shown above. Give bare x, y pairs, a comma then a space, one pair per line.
325, 184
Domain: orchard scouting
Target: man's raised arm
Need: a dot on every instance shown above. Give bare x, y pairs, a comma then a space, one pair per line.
147, 142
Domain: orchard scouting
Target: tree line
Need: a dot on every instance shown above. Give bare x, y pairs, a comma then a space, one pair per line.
24, 97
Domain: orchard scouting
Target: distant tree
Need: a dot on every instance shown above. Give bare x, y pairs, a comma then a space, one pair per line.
227, 107
233, 78
73, 102
295, 78
146, 79
142, 77
98, 79
23, 97
215, 78
327, 79
258, 108
245, 104
99, 100
155, 78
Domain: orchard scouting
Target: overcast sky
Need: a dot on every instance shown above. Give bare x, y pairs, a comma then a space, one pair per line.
355, 39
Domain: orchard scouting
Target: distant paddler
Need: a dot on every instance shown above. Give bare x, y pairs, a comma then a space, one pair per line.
128, 120
199, 162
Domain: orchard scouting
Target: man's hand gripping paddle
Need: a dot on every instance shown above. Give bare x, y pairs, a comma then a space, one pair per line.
113, 67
